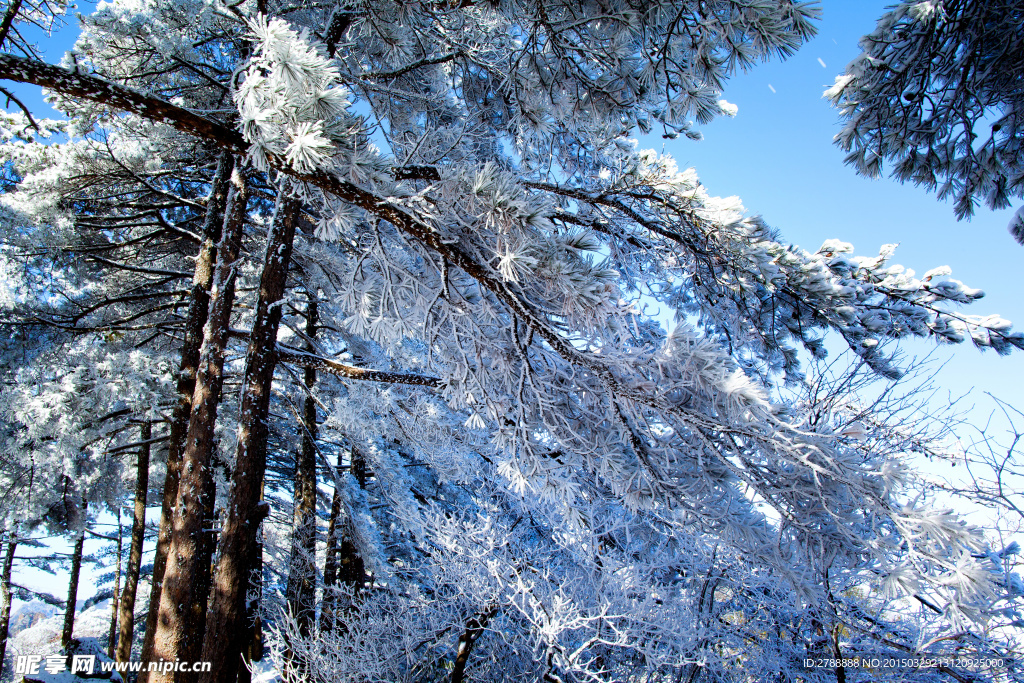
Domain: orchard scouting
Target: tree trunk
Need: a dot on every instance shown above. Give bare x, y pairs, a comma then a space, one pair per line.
301, 590
245, 512
348, 569
474, 629
302, 569
204, 561
112, 634
69, 611
180, 622
351, 569
343, 563
5, 597
327, 605
131, 576
253, 650
837, 650
195, 320
358, 468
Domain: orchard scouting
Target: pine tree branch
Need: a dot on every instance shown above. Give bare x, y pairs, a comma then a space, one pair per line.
139, 269
23, 592
159, 110
136, 444
388, 75
8, 20
309, 360
11, 98
102, 91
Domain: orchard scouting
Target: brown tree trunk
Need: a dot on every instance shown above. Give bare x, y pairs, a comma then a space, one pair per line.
245, 512
195, 320
112, 633
351, 571
178, 634
69, 610
131, 575
5, 597
204, 561
302, 568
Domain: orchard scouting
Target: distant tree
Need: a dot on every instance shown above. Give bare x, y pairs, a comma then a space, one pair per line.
10, 543
938, 93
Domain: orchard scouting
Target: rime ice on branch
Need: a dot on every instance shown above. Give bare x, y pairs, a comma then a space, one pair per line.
515, 447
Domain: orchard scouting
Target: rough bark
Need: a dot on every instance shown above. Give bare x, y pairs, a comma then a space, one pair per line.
204, 561
5, 597
178, 634
307, 360
112, 633
195, 320
69, 611
302, 567
225, 621
131, 575
253, 649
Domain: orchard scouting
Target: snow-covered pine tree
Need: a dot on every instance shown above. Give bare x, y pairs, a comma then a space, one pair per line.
618, 502
937, 95
103, 231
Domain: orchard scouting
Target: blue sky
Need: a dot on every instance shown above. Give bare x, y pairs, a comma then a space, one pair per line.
777, 156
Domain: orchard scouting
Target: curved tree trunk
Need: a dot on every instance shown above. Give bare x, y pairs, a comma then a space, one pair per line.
131, 576
474, 629
245, 512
